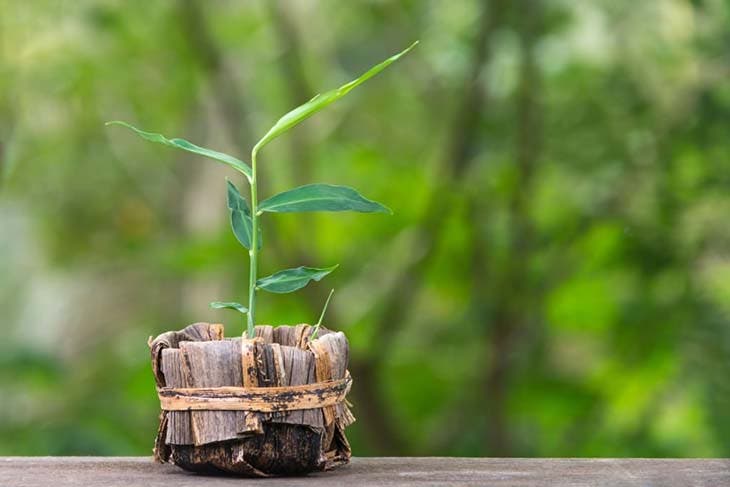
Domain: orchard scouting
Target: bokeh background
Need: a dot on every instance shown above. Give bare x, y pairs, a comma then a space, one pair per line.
555, 280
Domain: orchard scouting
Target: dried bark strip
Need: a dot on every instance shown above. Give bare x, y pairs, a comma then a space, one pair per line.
261, 399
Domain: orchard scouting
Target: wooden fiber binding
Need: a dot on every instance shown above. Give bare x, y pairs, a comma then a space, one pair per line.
261, 399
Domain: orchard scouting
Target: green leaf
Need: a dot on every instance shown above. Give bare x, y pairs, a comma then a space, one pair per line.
235, 200
320, 101
183, 144
241, 222
290, 280
229, 305
241, 225
321, 197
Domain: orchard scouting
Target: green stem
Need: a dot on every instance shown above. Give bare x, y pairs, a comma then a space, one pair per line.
321, 317
253, 253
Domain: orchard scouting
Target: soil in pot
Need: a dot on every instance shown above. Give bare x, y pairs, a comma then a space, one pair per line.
273, 405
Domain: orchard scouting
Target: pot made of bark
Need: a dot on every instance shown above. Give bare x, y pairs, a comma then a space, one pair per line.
272, 405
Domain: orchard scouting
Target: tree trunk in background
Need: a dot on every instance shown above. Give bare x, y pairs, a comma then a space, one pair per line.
515, 295
299, 89
457, 160
226, 89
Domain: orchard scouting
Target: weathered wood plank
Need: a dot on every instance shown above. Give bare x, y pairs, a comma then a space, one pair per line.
500, 472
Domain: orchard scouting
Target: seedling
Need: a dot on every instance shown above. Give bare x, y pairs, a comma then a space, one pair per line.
311, 197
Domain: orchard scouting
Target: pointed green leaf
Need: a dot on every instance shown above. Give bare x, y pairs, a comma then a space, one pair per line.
190, 147
241, 225
229, 305
235, 200
321, 197
290, 280
241, 222
322, 100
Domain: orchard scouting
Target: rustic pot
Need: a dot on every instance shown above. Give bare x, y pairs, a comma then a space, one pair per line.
245, 407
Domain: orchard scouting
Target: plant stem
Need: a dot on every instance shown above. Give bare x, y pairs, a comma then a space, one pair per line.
253, 253
321, 317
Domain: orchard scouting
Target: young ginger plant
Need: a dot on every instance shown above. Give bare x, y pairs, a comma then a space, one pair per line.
311, 197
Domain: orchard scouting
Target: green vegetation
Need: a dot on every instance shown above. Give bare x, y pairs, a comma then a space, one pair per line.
312, 197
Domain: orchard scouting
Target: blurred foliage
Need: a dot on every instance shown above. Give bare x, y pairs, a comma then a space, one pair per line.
555, 280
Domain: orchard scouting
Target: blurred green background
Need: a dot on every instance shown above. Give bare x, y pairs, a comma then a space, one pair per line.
555, 280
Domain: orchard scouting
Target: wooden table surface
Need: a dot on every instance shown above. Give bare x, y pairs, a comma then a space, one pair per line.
142, 472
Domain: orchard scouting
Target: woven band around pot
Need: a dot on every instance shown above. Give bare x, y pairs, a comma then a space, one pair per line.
261, 399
